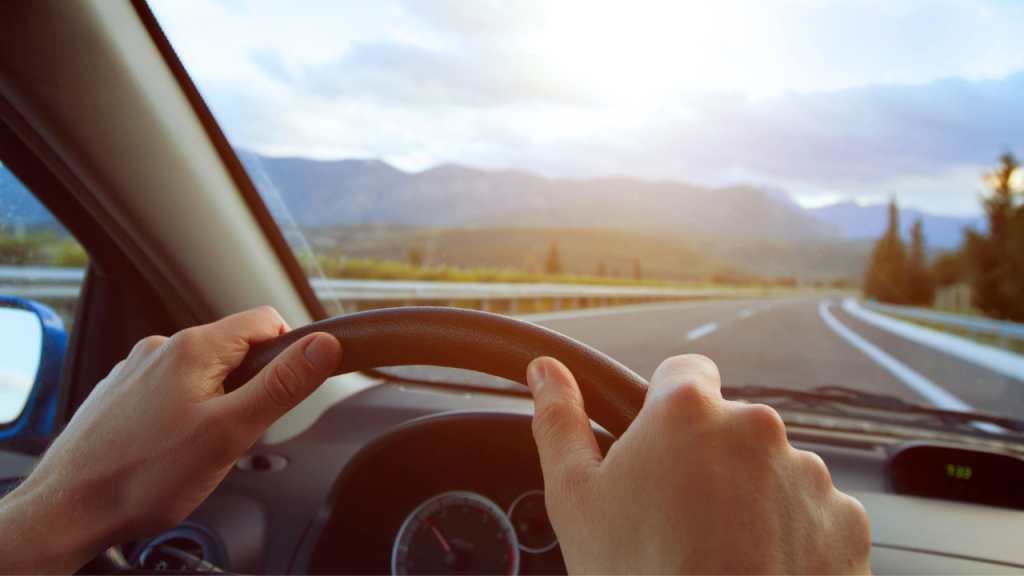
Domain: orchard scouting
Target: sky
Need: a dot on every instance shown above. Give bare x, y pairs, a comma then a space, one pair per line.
824, 100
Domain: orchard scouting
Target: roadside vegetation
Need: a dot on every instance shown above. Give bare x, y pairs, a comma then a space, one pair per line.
341, 266
40, 248
990, 262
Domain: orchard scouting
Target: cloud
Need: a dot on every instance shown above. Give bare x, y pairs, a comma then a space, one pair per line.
479, 17
487, 73
859, 135
832, 99
928, 143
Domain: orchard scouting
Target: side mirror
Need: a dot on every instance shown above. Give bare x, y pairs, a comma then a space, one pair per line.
32, 345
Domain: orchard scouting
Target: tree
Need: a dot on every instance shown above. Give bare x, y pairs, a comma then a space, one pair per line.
415, 257
997, 286
553, 264
951, 267
918, 287
638, 273
884, 279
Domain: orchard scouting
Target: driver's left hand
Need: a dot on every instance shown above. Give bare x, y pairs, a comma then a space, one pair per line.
153, 440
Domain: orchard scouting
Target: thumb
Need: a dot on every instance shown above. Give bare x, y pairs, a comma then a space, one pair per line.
561, 428
287, 380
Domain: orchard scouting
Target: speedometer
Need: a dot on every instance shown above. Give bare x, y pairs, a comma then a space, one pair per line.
456, 533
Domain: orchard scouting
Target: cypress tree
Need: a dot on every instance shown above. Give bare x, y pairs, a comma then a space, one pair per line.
919, 288
553, 264
884, 279
415, 257
997, 284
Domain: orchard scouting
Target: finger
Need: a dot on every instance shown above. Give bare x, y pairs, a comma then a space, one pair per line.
287, 380
561, 428
230, 338
689, 370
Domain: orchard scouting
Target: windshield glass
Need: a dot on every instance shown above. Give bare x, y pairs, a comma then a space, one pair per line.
810, 193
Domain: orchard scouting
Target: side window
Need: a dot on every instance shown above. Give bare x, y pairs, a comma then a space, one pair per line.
39, 261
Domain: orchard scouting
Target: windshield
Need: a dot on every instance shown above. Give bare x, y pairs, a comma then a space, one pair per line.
810, 193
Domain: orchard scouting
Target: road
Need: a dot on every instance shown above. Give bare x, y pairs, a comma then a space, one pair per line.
786, 343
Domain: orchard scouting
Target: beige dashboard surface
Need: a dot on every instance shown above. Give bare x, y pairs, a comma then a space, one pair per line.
950, 528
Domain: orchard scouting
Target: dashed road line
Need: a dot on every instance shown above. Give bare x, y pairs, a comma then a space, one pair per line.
702, 331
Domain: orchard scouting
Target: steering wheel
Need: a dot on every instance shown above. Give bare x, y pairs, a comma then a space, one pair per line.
467, 339
453, 338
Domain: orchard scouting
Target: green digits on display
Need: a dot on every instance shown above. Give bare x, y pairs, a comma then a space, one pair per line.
961, 472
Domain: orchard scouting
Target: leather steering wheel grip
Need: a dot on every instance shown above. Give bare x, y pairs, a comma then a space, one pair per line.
454, 338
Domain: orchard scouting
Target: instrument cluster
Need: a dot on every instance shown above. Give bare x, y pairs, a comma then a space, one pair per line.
455, 494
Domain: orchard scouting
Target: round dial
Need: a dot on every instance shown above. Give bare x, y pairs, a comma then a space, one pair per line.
456, 533
529, 517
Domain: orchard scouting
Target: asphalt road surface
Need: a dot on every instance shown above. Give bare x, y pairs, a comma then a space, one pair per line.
782, 343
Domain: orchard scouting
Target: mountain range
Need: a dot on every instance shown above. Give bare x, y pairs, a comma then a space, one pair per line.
358, 192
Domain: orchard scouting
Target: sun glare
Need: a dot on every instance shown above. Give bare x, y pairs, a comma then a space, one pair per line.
639, 53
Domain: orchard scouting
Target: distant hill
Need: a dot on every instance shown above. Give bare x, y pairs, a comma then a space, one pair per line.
350, 192
869, 222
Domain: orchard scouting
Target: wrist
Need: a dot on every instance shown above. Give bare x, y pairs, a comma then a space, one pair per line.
50, 529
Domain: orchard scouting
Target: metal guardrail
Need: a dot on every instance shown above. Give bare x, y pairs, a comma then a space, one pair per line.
64, 283
972, 324
41, 283
508, 297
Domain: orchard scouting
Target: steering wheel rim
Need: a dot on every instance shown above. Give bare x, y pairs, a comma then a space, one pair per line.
455, 338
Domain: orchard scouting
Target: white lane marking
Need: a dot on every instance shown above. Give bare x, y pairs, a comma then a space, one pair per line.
588, 312
931, 391
989, 357
746, 313
923, 386
702, 331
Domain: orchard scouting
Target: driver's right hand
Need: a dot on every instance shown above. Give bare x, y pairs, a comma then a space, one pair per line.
697, 484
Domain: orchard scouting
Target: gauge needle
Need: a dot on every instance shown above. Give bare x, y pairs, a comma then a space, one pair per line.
440, 537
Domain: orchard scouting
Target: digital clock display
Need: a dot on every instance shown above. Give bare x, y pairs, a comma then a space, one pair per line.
957, 471
962, 474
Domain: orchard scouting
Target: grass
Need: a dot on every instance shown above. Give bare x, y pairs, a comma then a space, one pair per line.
374, 269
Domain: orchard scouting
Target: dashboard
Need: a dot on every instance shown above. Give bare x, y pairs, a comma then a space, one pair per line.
388, 477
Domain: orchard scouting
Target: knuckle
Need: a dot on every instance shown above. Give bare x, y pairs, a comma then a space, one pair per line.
765, 424
693, 400
548, 419
815, 469
268, 314
187, 343
690, 365
147, 345
282, 385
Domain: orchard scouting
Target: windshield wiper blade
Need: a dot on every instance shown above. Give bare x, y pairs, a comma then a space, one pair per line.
833, 395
